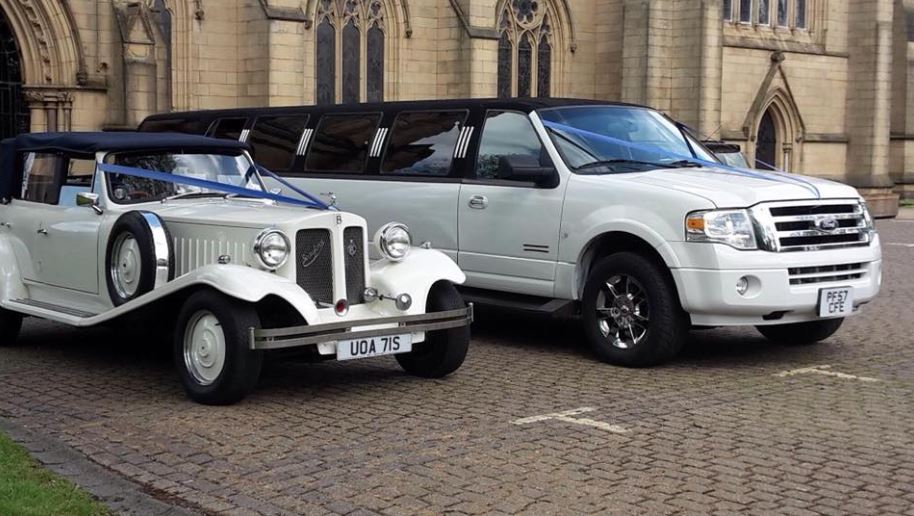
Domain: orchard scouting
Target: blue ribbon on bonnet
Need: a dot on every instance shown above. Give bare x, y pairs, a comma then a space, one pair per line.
155, 175
778, 177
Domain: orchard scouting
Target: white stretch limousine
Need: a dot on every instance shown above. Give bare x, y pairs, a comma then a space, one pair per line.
611, 209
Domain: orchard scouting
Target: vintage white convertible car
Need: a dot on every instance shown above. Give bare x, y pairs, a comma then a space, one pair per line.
180, 233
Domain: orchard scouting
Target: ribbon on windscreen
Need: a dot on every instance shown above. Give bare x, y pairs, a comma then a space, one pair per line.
155, 175
777, 176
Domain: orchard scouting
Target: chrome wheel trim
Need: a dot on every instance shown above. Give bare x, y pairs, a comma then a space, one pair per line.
204, 347
126, 265
623, 311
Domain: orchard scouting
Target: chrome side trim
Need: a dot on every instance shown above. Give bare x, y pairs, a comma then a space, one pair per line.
283, 338
52, 307
244, 135
160, 243
464, 144
378, 145
303, 142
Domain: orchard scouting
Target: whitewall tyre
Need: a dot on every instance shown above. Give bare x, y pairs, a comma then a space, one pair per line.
443, 351
631, 312
801, 334
212, 348
10, 325
139, 256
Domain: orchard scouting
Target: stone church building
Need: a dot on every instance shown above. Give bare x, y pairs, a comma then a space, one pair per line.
823, 87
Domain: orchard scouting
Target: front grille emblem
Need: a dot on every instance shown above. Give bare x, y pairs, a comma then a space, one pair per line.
308, 259
352, 248
827, 224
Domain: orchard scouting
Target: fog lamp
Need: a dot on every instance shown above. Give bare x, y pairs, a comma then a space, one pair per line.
404, 301
742, 286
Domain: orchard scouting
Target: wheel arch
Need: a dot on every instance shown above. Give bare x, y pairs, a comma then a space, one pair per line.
611, 242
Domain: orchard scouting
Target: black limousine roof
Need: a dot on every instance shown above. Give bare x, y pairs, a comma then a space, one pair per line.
515, 104
86, 144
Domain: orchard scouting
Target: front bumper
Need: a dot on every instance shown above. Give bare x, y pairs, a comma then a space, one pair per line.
283, 338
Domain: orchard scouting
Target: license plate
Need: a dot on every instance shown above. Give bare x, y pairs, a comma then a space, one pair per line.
373, 347
836, 302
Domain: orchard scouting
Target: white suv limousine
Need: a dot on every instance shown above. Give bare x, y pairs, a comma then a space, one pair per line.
176, 232
611, 209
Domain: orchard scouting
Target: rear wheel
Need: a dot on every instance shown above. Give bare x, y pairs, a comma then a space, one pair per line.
631, 313
10, 324
443, 351
799, 334
212, 348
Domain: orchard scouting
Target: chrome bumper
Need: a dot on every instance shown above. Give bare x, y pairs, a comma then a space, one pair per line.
282, 338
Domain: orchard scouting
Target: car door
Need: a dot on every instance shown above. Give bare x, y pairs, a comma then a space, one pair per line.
62, 238
401, 171
509, 225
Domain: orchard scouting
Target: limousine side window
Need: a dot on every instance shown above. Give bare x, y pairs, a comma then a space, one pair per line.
422, 143
341, 142
507, 133
173, 125
275, 140
228, 128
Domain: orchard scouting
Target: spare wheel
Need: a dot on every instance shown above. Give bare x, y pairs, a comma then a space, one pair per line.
139, 256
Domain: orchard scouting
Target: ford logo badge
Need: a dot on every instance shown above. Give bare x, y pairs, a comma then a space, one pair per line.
827, 224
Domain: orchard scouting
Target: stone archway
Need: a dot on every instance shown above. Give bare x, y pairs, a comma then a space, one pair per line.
14, 113
766, 145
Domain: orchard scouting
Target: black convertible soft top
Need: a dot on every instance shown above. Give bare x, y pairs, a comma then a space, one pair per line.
85, 145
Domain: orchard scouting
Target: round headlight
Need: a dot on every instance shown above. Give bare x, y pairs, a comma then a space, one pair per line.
271, 247
393, 241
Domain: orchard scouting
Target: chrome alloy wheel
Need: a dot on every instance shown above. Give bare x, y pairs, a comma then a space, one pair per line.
126, 265
623, 311
204, 347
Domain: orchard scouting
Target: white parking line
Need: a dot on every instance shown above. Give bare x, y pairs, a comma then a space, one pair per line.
899, 244
566, 417
826, 371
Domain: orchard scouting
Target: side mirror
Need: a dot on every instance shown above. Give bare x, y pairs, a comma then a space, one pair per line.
88, 199
527, 168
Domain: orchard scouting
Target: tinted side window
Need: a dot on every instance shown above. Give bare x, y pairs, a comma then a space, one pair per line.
41, 179
177, 125
422, 143
228, 128
507, 133
341, 143
275, 140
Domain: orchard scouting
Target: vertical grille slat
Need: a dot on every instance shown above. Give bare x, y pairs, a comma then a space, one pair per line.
354, 250
314, 264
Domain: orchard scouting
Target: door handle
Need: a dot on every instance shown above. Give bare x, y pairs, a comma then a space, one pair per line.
43, 231
478, 202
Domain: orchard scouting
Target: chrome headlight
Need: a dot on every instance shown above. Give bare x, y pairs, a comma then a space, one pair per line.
867, 217
271, 247
730, 227
393, 241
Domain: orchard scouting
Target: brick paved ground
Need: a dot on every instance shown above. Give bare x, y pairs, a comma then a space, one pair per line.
716, 431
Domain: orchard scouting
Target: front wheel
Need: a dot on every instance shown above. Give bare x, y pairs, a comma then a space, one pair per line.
443, 351
10, 324
631, 313
799, 334
212, 348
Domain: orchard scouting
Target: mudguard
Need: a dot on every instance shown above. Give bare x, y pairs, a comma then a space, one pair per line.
11, 286
415, 276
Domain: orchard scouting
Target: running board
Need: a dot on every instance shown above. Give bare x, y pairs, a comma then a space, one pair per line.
521, 302
49, 310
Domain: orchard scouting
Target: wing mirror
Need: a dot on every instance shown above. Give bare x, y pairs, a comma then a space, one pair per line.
89, 199
519, 167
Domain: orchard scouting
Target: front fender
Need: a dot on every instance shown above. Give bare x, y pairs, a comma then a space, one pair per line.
11, 286
415, 275
247, 284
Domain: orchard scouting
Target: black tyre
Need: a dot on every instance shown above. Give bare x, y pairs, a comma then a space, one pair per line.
212, 348
443, 351
632, 316
10, 324
131, 260
800, 334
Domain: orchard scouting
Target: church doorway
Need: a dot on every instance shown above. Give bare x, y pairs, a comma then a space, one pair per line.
766, 143
14, 114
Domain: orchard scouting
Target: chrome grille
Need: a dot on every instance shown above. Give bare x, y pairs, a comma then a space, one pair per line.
826, 273
811, 227
314, 264
354, 250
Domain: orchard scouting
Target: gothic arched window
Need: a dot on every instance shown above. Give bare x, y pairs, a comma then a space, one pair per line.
349, 43
525, 49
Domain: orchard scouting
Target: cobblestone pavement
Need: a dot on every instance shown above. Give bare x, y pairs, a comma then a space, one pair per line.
718, 430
